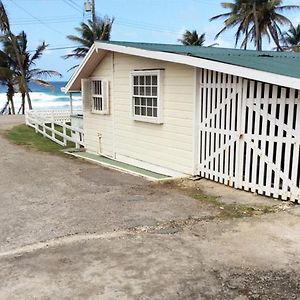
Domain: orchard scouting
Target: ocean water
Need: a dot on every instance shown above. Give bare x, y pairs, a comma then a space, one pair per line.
43, 98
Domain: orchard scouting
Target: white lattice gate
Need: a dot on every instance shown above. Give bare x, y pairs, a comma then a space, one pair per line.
249, 135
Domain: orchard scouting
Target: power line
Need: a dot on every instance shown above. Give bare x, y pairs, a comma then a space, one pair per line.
76, 4
57, 48
72, 5
40, 21
32, 22
44, 18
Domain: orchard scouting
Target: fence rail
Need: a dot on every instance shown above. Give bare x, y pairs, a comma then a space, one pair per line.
54, 125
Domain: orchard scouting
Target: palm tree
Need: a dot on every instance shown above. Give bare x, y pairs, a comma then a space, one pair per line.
255, 19
28, 61
5, 28
87, 33
292, 39
8, 77
192, 38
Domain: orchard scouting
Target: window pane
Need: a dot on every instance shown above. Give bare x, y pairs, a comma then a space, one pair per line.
143, 101
143, 111
149, 102
154, 112
154, 80
155, 102
135, 80
135, 90
142, 80
97, 103
137, 111
96, 87
148, 91
137, 101
148, 80
142, 91
100, 87
154, 91
149, 112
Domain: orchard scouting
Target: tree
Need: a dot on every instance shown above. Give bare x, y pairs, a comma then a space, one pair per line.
192, 38
28, 62
291, 39
255, 20
8, 69
102, 29
5, 28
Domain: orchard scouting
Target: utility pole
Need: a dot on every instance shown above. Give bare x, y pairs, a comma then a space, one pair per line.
91, 7
94, 19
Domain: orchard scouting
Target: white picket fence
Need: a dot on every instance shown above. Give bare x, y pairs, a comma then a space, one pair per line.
48, 122
249, 135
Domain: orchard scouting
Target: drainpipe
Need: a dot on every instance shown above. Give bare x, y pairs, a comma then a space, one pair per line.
71, 104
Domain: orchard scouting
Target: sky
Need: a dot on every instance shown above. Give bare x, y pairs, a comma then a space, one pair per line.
160, 21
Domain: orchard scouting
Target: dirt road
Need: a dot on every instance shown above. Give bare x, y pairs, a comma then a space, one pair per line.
74, 230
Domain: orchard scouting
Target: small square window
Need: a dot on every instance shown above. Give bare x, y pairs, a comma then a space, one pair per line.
142, 91
137, 101
154, 80
148, 80
99, 95
143, 111
146, 96
154, 91
148, 91
137, 110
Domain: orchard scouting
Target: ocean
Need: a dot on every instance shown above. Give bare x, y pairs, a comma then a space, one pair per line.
43, 98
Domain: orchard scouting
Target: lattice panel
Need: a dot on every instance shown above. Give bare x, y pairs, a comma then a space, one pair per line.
219, 125
271, 136
249, 135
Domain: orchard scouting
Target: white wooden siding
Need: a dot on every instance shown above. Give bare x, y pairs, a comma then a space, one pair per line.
96, 125
169, 145
249, 135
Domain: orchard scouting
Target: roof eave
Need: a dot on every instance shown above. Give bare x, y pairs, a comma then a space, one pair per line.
235, 70
70, 85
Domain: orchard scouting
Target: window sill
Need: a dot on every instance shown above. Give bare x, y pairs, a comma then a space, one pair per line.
96, 112
147, 120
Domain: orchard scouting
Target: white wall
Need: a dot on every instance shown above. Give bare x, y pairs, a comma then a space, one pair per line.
169, 145
95, 124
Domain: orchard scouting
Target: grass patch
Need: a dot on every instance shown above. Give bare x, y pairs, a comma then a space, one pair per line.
26, 136
233, 210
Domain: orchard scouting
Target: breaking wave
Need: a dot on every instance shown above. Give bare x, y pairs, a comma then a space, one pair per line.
45, 101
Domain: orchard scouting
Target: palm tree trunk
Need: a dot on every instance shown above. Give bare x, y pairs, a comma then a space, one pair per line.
4, 108
10, 95
23, 77
258, 39
23, 104
12, 105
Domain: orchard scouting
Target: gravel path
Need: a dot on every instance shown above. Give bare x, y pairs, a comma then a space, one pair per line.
74, 230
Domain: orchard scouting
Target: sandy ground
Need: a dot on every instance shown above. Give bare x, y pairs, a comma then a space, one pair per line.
74, 230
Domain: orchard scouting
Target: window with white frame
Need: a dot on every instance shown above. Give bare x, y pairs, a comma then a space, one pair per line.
99, 94
146, 96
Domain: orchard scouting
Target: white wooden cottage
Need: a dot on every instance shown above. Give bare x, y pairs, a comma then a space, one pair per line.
232, 116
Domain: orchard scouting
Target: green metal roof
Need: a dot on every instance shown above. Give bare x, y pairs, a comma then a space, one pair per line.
283, 63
